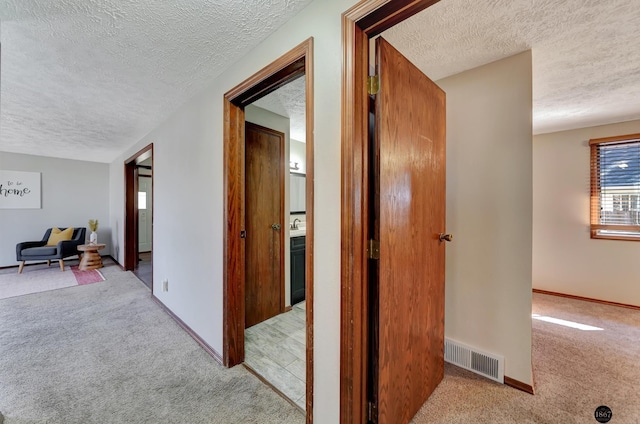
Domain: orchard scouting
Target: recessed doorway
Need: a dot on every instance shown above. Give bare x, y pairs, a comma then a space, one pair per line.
293, 66
275, 308
144, 269
138, 229
382, 378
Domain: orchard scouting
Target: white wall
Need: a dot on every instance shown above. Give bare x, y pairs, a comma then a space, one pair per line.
298, 153
188, 184
280, 123
73, 192
491, 293
565, 258
489, 191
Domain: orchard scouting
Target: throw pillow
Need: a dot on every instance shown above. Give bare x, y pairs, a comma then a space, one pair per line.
57, 236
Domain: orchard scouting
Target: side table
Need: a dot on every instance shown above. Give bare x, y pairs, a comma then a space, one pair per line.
91, 258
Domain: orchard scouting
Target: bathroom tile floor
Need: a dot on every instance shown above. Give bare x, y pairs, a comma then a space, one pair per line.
275, 349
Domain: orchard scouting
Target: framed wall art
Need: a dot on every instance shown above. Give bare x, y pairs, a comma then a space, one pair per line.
20, 190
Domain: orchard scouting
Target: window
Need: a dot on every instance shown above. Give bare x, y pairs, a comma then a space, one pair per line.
142, 200
615, 187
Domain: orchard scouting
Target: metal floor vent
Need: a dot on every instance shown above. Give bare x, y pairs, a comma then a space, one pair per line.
472, 359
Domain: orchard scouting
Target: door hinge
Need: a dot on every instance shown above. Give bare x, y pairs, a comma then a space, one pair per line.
373, 84
373, 249
372, 412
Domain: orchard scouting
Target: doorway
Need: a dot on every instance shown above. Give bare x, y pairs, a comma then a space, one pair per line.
291, 66
144, 268
138, 228
275, 344
361, 23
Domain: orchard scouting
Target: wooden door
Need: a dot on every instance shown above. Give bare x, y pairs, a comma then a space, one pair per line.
408, 195
264, 212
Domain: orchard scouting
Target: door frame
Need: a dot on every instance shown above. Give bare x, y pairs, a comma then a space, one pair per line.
288, 67
131, 208
361, 22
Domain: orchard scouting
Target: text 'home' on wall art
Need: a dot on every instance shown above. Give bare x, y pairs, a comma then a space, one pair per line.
19, 190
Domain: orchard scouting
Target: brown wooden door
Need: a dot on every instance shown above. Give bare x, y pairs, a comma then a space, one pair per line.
264, 211
409, 203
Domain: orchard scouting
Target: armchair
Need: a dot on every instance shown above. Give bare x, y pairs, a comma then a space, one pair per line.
38, 250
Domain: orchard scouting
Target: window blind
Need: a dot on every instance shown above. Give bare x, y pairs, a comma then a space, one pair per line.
615, 187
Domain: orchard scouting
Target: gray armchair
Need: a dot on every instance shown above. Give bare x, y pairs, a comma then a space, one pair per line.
38, 250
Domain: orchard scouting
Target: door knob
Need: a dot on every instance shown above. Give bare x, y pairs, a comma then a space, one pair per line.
445, 237
276, 226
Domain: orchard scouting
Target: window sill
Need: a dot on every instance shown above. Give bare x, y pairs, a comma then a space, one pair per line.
615, 237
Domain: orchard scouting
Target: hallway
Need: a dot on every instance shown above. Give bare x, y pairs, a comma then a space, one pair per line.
145, 268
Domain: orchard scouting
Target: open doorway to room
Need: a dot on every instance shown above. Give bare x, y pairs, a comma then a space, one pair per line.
268, 321
138, 230
392, 119
144, 269
275, 314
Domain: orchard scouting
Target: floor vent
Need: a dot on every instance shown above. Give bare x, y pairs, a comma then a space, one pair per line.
472, 359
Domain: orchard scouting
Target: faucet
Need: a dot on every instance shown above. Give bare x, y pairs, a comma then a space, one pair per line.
294, 225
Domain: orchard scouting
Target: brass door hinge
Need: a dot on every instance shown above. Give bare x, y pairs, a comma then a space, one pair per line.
372, 413
373, 249
373, 84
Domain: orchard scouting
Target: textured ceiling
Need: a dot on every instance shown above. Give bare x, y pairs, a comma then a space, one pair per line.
289, 101
85, 79
586, 53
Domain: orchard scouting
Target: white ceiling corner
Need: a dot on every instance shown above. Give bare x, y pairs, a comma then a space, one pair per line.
85, 79
586, 61
289, 101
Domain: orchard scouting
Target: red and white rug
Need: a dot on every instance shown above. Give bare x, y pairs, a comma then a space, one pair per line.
87, 277
40, 280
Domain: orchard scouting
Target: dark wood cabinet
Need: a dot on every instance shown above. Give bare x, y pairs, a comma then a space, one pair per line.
297, 269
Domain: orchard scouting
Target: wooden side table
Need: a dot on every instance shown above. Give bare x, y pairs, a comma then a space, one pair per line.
91, 258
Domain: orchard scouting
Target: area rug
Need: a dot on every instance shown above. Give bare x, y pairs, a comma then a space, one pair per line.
35, 281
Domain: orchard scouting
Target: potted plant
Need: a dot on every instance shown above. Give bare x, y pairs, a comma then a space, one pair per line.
93, 226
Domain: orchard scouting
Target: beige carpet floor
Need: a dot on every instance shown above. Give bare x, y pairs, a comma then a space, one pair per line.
575, 371
107, 353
